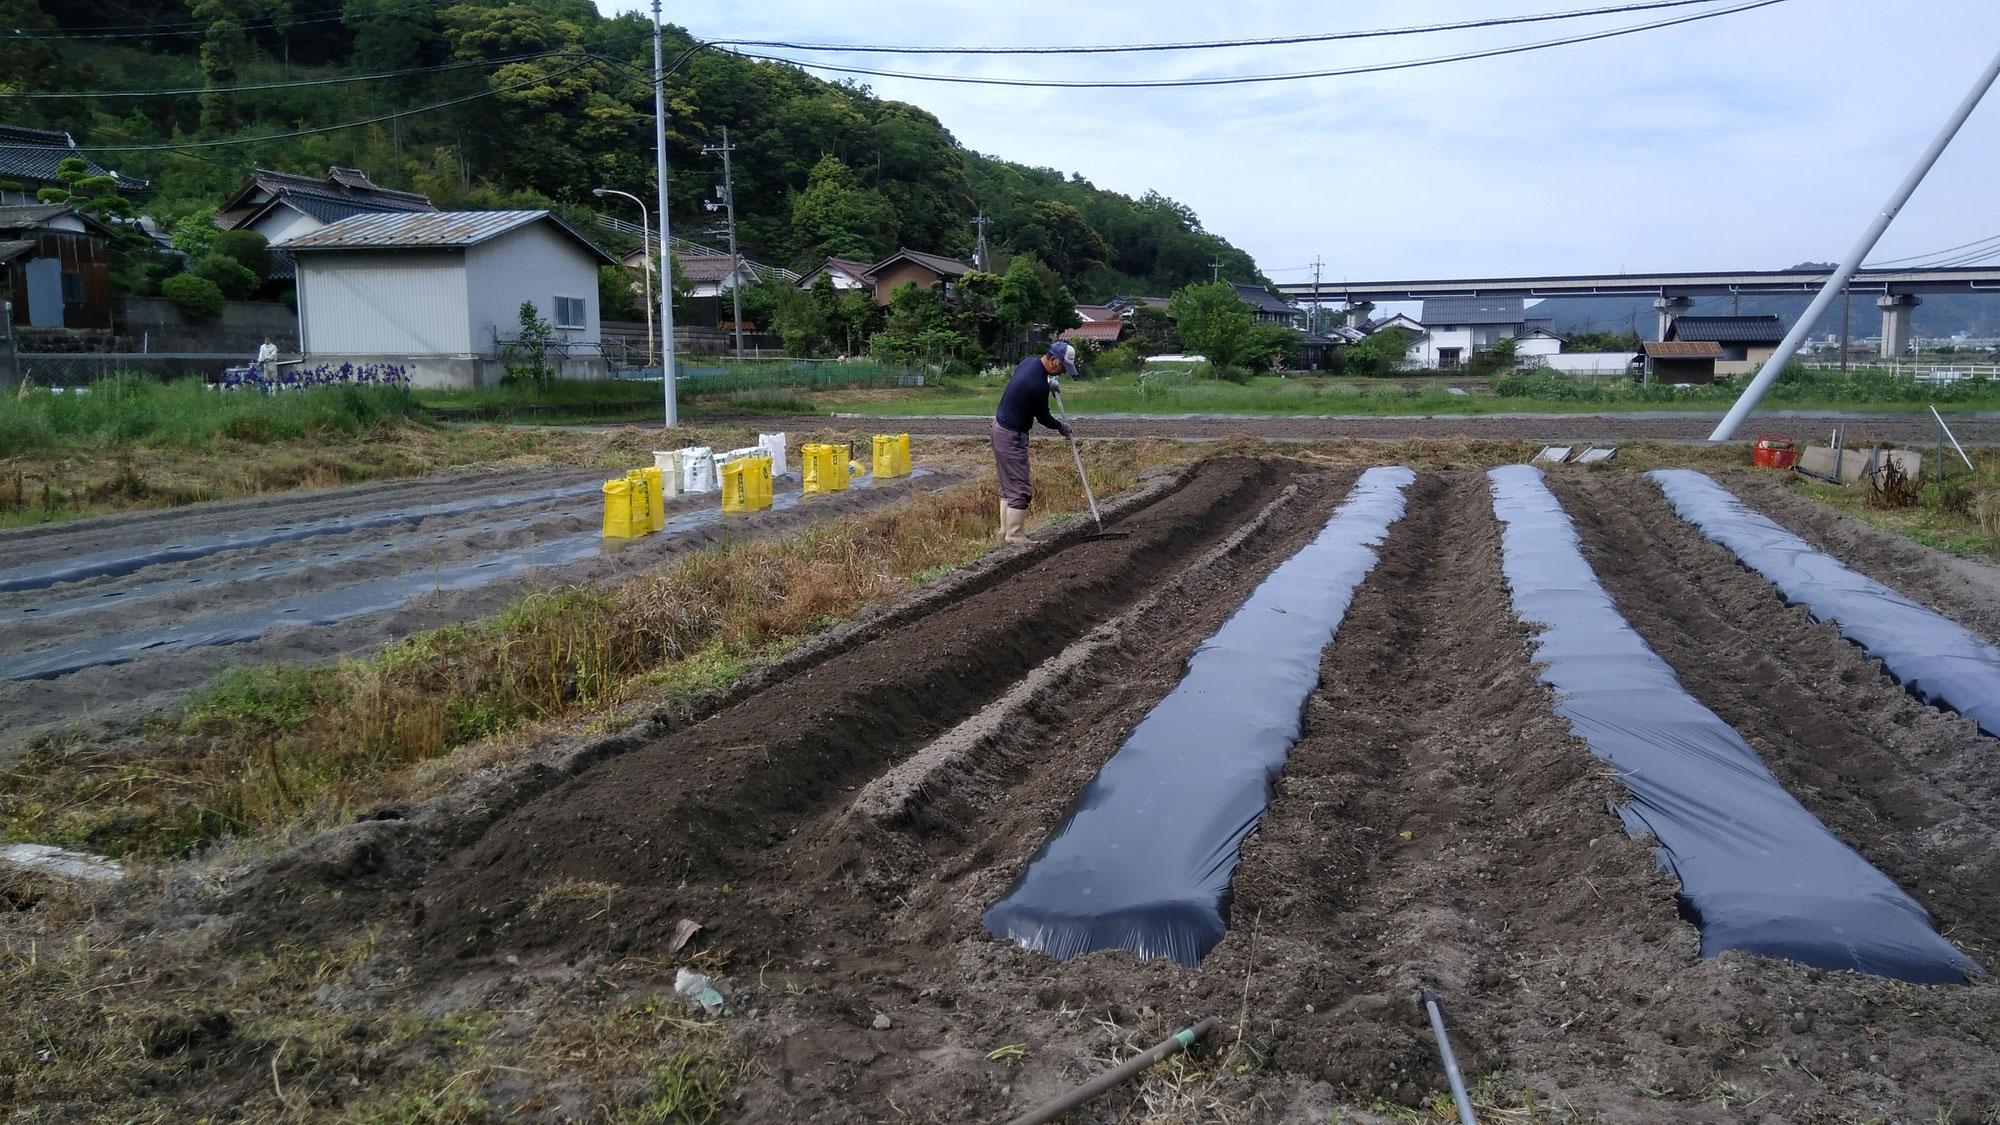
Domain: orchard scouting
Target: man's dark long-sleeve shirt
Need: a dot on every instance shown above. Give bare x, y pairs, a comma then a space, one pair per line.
1026, 399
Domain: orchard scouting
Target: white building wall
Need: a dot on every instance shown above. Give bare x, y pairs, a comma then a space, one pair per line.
383, 303
1538, 346
1424, 353
283, 223
535, 263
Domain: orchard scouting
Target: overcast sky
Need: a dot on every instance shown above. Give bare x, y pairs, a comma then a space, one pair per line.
1755, 140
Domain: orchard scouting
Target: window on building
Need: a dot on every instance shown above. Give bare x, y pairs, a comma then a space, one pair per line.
1448, 357
72, 288
569, 312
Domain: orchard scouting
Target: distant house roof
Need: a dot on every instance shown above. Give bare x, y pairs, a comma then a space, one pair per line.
1471, 310
33, 215
1400, 320
1537, 328
710, 267
1123, 303
1683, 349
342, 193
1101, 331
437, 230
1728, 329
1096, 312
936, 263
1260, 300
861, 273
34, 154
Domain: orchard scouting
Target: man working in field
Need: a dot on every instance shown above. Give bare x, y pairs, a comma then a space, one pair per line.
1022, 404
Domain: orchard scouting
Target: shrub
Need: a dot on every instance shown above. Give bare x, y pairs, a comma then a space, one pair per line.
1121, 360
248, 249
196, 296
229, 275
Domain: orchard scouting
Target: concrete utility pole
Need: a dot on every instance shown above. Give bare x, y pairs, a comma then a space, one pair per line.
1776, 364
735, 262
979, 255
1215, 270
1313, 321
666, 243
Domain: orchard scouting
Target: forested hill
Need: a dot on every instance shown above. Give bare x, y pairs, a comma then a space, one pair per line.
551, 100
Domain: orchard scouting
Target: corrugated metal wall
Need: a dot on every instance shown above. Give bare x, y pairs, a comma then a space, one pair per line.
535, 263
384, 303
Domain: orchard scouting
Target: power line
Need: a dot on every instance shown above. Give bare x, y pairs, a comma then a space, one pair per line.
1988, 246
440, 68
183, 145
1243, 79
1273, 41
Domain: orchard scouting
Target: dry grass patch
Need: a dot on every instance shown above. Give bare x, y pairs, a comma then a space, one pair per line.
281, 746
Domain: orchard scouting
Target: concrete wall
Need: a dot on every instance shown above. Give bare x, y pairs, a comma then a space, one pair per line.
535, 263
382, 303
461, 371
155, 324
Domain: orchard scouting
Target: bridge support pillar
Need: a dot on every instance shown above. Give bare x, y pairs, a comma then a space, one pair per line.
1896, 310
1357, 313
1670, 309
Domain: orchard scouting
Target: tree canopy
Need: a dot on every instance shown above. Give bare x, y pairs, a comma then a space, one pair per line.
559, 102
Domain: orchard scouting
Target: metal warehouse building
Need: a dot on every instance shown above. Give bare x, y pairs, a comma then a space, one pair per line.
440, 293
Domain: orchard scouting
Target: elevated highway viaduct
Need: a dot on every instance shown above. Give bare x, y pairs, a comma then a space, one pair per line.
1897, 291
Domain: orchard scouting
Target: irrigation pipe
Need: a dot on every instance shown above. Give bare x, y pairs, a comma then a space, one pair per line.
1954, 439
1457, 1080
1172, 1045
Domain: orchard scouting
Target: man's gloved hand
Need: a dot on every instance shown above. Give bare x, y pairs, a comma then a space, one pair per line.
1055, 384
1064, 429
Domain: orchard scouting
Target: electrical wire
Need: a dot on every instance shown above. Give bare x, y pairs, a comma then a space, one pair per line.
438, 69
1982, 247
1244, 79
184, 145
1273, 41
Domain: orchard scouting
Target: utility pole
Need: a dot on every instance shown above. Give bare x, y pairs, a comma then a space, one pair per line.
979, 255
1314, 320
729, 201
666, 242
1846, 308
1215, 270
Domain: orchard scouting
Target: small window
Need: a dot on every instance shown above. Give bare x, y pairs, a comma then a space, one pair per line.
569, 312
72, 288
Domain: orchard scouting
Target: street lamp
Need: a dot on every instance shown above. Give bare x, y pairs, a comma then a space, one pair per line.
646, 241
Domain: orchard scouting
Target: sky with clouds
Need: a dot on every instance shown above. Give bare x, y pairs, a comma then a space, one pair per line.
1753, 140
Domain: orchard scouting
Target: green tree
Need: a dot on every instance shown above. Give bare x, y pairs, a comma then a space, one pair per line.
224, 51
1153, 332
247, 248
530, 347
1023, 299
1213, 321
619, 294
1271, 347
195, 234
835, 217
196, 296
1383, 353
227, 274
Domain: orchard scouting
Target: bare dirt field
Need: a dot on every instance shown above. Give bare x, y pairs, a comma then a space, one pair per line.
104, 619
837, 823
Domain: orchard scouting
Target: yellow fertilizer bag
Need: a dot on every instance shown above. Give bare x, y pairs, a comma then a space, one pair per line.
618, 510
821, 468
892, 456
746, 484
656, 495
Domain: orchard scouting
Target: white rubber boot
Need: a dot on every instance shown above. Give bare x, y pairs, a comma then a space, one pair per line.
1013, 524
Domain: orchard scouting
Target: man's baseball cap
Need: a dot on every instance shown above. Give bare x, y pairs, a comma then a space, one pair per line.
1066, 352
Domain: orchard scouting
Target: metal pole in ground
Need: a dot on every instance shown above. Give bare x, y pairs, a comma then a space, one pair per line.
666, 243
1173, 1045
1776, 364
1451, 1074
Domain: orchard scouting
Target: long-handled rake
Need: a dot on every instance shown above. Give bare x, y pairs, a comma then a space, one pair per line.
1062, 411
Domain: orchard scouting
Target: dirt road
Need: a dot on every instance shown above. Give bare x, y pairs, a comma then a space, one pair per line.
108, 618
838, 826
1862, 427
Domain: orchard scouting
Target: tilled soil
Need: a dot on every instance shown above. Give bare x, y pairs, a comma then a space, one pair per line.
435, 570
838, 831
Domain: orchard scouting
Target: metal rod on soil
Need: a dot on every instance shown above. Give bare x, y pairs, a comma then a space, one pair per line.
1451, 1074
1954, 439
1172, 1045
1080, 474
